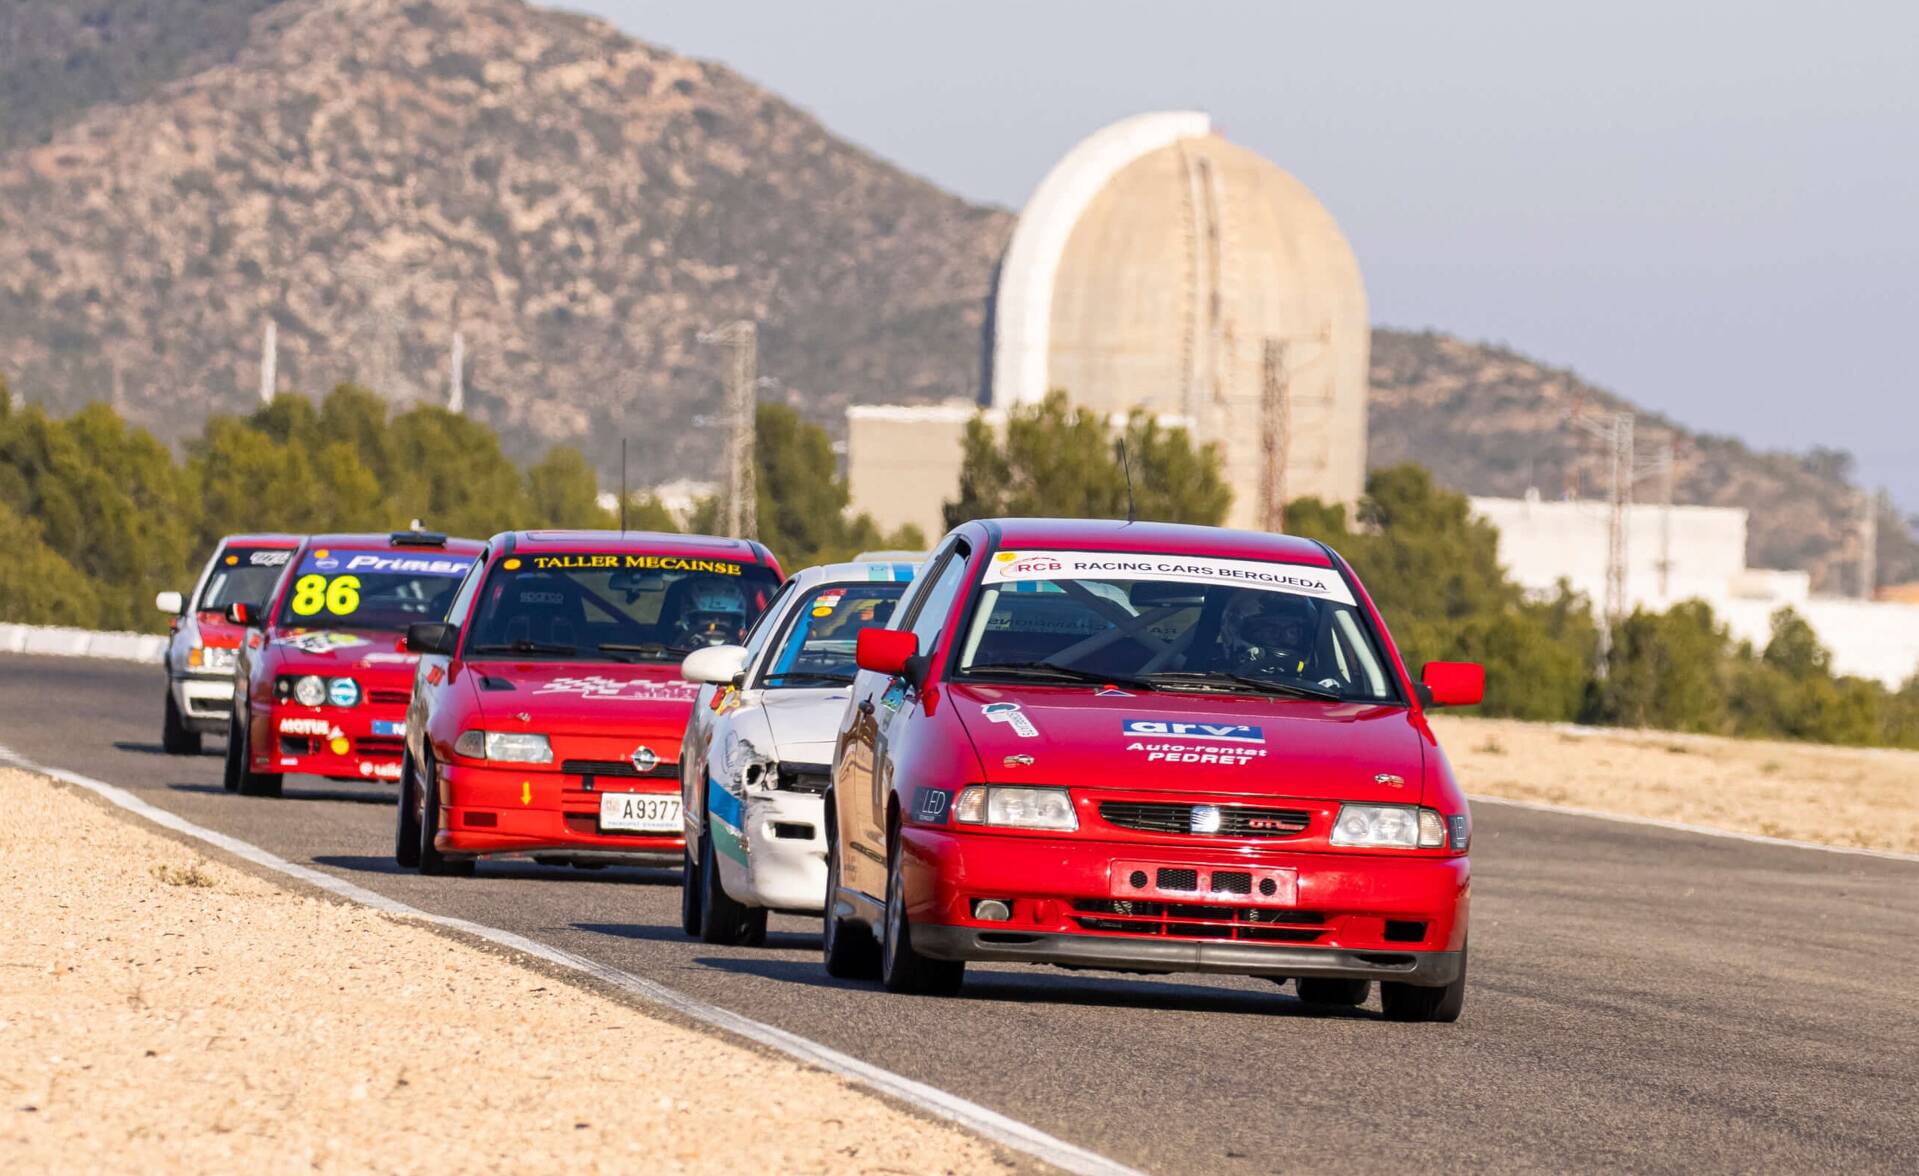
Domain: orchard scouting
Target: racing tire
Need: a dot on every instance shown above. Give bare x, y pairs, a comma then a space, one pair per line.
432, 861
689, 892
245, 780
723, 920
1409, 1002
901, 968
175, 738
848, 947
230, 773
406, 821
1344, 994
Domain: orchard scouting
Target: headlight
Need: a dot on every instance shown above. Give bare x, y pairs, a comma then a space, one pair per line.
216, 657
1389, 826
1019, 808
506, 746
342, 691
309, 690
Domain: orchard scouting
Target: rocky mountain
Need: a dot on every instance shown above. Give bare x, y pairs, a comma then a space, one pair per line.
373, 174
1490, 421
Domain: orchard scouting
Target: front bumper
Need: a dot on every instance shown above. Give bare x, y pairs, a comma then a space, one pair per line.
205, 701
771, 847
1157, 907
363, 742
510, 809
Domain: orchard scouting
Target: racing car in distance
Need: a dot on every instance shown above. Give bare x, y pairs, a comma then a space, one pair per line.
759, 750
323, 679
201, 642
548, 707
1148, 748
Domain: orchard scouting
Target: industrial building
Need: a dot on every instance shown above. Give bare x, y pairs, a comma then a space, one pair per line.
1160, 267
1675, 553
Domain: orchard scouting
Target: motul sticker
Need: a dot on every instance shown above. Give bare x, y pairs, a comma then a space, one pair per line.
300, 726
1010, 567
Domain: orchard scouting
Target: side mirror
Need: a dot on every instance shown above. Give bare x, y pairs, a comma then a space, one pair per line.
715, 665
1453, 683
886, 651
171, 603
241, 613
432, 637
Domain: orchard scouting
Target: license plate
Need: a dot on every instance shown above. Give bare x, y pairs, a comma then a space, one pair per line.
645, 812
389, 727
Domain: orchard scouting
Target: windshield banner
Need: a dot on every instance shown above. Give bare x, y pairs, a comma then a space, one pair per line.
383, 563
1017, 566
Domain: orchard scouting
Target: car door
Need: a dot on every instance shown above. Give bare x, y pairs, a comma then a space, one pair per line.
885, 711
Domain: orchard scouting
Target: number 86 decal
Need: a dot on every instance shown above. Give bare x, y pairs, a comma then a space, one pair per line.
340, 596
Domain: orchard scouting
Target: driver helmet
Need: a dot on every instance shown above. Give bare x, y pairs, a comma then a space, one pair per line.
715, 614
1269, 631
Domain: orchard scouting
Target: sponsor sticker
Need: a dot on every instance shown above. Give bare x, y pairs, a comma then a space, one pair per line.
657, 563
294, 725
1185, 753
321, 640
389, 727
1218, 732
600, 687
381, 771
322, 559
268, 559
931, 805
1012, 567
1010, 714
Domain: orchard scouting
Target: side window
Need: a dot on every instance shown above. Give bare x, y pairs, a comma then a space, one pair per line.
937, 601
469, 588
763, 627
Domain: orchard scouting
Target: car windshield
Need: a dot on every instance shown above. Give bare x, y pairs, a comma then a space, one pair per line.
1171, 621
818, 648
624, 606
378, 589
243, 575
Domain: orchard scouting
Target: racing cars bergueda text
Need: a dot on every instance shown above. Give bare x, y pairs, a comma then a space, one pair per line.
1135, 747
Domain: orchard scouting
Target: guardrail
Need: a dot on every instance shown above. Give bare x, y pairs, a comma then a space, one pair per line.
62, 642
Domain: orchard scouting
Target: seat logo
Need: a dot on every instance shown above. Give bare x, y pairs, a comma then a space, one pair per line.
1205, 818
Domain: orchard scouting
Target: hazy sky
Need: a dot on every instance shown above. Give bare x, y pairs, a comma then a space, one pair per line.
1712, 209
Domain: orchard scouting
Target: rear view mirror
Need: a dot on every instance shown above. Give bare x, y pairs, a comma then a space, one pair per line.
885, 651
171, 603
1453, 683
436, 637
240, 613
716, 665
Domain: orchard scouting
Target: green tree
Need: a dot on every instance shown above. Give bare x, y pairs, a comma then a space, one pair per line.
1667, 670
1062, 461
563, 490
37, 587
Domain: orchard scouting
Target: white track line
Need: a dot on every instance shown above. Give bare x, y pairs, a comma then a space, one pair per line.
1009, 1133
1541, 806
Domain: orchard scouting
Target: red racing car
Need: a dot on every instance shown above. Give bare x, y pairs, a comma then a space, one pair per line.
322, 681
548, 708
1148, 748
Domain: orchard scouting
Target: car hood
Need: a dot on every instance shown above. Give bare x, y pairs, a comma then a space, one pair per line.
805, 722
1167, 741
586, 698
335, 651
216, 632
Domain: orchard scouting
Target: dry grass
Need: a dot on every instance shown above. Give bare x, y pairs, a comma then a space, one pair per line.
1859, 797
160, 1012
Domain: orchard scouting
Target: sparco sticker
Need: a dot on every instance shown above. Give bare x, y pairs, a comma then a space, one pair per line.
1298, 579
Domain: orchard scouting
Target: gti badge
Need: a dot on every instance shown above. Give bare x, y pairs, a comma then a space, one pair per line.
644, 759
1205, 819
1390, 780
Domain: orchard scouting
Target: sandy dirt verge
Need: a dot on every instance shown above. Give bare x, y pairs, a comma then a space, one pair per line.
163, 1012
1853, 796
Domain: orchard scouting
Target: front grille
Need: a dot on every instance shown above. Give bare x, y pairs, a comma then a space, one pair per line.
619, 768
1234, 820
296, 745
390, 697
380, 745
1177, 880
1198, 921
805, 777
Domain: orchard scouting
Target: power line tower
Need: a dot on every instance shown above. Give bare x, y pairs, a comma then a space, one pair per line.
1615, 430
742, 495
1275, 426
269, 362
456, 363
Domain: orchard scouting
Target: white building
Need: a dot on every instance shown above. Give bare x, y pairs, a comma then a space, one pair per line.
1696, 553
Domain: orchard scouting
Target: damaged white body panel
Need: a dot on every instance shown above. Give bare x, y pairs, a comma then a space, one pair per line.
757, 756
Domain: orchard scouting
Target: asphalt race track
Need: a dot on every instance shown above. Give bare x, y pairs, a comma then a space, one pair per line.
1641, 999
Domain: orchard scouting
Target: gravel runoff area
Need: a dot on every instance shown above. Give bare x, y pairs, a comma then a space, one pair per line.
163, 1012
1858, 797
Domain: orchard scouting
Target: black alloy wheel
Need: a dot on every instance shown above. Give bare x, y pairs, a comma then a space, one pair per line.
406, 820
689, 891
230, 772
248, 782
432, 861
901, 968
724, 920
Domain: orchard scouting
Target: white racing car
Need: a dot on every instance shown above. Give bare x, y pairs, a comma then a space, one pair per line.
759, 750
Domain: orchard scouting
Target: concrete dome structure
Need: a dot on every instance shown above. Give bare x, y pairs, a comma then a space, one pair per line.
1159, 266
